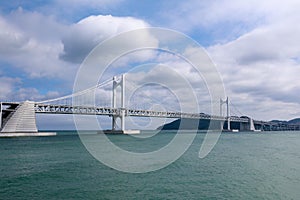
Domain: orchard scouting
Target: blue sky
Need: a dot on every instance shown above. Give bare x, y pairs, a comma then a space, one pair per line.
254, 44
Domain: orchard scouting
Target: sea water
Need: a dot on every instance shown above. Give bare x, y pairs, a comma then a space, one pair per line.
241, 166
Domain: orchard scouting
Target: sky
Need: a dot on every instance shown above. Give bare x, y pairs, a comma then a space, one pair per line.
255, 46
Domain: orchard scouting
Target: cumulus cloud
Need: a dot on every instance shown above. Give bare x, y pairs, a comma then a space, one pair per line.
83, 36
256, 47
222, 21
44, 47
261, 67
41, 47
7, 87
11, 90
277, 42
30, 42
168, 81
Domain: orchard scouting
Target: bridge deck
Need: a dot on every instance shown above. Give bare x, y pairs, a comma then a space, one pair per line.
90, 110
9, 107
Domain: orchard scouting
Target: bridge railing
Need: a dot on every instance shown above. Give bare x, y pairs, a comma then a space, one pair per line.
92, 110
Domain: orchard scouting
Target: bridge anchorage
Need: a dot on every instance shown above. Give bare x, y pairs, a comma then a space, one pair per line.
19, 118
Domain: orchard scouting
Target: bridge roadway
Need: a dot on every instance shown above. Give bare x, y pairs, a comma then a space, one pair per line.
9, 108
91, 110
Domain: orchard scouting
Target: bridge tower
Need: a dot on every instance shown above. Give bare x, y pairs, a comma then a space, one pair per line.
121, 114
226, 101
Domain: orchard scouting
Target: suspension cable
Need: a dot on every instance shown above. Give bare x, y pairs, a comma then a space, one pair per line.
77, 93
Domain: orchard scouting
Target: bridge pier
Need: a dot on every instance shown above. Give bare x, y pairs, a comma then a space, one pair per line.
114, 122
249, 126
1, 115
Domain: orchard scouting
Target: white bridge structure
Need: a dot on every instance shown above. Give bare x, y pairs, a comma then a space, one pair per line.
20, 117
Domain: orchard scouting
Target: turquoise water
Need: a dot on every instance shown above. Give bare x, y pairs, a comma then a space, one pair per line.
241, 166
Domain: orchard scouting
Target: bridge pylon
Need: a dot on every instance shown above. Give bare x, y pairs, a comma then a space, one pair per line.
226, 101
121, 114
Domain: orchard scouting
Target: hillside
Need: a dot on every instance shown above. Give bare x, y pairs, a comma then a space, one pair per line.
293, 121
190, 124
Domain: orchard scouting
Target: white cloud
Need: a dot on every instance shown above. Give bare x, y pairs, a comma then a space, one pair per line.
222, 21
11, 90
173, 82
36, 25
83, 36
43, 47
33, 43
209, 15
7, 87
261, 67
257, 50
30, 42
273, 43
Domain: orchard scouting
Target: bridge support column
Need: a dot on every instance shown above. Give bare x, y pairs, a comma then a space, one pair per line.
114, 123
227, 112
123, 102
122, 117
121, 110
228, 118
0, 115
114, 103
247, 126
251, 123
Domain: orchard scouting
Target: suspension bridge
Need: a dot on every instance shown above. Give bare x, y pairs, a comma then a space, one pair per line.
20, 117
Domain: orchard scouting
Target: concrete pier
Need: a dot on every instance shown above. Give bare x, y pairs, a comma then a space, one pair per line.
35, 134
126, 132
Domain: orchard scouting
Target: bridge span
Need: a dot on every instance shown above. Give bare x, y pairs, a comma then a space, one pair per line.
91, 110
12, 121
16, 117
